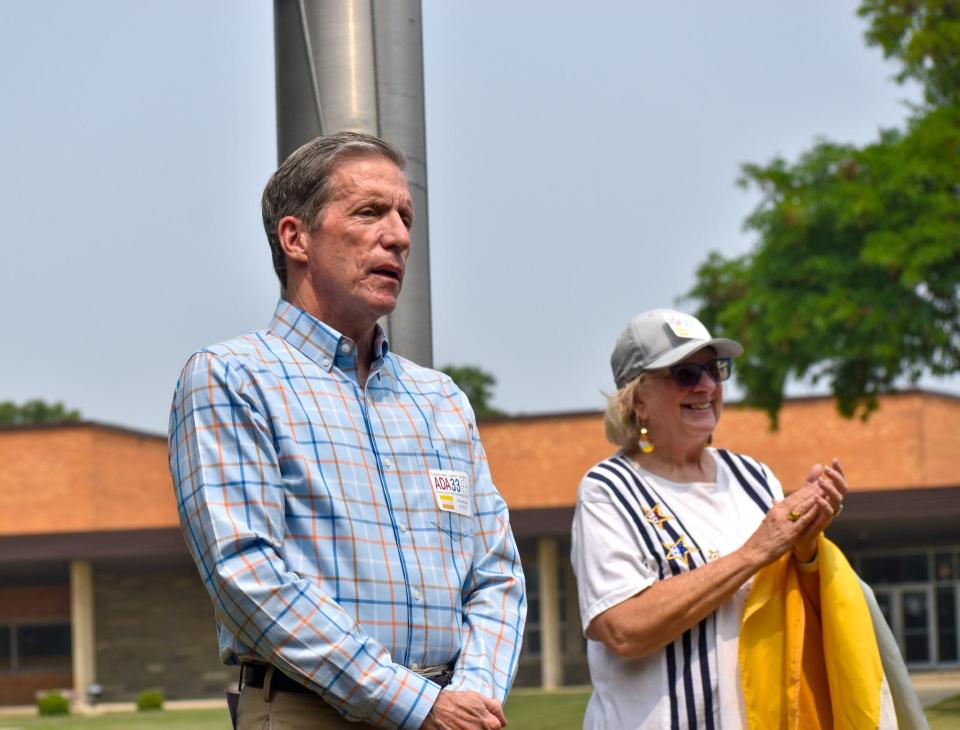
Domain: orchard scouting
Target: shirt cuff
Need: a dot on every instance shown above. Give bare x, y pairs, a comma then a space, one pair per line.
406, 701
463, 680
811, 565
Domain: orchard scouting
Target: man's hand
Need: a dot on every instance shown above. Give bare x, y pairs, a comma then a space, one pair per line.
466, 710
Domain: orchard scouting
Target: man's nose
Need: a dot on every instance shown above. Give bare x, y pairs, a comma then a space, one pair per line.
396, 235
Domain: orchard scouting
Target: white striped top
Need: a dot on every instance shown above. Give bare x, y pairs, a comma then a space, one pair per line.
632, 528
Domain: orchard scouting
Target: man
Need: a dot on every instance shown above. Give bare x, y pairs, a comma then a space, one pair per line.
335, 496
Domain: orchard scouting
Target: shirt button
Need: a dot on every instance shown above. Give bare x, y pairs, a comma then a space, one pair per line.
416, 594
387, 463
414, 667
402, 526
345, 348
325, 362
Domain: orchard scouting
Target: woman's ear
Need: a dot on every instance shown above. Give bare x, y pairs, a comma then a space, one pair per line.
639, 407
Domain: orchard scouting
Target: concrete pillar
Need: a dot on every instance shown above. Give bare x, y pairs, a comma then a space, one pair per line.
83, 651
551, 666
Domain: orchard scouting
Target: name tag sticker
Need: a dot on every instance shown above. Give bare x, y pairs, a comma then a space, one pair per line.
452, 490
686, 327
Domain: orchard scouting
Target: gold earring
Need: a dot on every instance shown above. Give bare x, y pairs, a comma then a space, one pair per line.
646, 445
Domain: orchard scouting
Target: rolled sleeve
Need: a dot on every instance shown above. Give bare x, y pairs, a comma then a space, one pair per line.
609, 558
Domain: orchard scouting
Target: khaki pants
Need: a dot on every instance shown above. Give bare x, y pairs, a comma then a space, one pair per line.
288, 711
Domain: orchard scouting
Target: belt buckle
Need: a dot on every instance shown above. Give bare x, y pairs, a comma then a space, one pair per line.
440, 674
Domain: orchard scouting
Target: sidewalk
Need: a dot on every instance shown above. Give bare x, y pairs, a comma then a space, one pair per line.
931, 687
934, 687
109, 707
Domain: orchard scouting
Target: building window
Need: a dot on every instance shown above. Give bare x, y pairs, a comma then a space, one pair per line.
947, 618
531, 647
944, 567
5, 658
919, 595
907, 568
27, 647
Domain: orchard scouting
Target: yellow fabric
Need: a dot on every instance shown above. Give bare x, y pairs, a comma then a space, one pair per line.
790, 657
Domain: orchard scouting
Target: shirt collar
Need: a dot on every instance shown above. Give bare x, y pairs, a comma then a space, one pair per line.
318, 340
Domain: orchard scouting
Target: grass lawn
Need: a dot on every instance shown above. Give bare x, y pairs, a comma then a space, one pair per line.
946, 715
155, 720
546, 710
525, 710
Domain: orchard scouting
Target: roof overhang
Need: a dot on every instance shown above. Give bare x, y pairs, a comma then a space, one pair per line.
92, 545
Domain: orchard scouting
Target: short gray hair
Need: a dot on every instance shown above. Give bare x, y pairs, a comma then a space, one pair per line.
620, 424
301, 187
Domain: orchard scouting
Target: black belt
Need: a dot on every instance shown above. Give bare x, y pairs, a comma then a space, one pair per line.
254, 675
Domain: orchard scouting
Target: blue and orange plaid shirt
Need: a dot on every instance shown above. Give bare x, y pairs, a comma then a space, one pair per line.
305, 499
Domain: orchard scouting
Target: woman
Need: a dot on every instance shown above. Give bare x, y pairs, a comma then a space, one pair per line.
668, 534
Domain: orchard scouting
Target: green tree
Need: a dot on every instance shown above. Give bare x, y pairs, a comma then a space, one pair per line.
478, 386
856, 273
35, 411
923, 37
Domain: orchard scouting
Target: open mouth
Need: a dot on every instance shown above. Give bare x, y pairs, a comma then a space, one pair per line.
389, 273
698, 406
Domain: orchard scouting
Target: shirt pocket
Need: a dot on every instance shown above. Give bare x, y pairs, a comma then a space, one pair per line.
453, 526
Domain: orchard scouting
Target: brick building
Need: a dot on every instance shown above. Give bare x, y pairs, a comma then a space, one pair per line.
96, 584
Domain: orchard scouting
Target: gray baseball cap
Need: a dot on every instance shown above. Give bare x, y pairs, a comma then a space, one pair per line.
659, 338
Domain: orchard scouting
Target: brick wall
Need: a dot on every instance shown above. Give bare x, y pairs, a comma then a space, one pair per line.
83, 478
538, 462
885, 452
22, 688
910, 442
89, 477
155, 630
24, 604
32, 604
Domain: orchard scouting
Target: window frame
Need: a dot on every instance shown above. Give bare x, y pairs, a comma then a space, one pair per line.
11, 629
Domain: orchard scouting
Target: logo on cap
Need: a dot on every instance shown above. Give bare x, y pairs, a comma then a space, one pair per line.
686, 326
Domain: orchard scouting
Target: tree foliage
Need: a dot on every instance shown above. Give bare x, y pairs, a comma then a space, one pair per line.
856, 274
478, 386
923, 37
35, 411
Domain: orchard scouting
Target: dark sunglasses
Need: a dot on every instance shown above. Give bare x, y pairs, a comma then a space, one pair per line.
687, 374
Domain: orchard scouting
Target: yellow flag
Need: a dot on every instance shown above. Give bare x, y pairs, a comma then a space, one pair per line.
804, 670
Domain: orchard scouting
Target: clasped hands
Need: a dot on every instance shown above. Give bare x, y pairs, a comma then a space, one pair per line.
817, 502
796, 522
464, 710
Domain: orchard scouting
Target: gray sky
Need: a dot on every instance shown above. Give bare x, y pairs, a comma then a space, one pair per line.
581, 164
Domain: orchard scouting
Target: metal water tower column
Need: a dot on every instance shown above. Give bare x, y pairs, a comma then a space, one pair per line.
358, 65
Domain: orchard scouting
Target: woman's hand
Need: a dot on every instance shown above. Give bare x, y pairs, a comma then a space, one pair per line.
659, 614
787, 522
653, 618
831, 484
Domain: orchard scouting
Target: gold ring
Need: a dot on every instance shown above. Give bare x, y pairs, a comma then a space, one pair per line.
794, 515
838, 510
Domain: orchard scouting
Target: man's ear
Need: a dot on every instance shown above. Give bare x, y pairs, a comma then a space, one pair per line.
293, 238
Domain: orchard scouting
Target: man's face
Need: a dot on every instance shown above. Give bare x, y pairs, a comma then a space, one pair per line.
358, 251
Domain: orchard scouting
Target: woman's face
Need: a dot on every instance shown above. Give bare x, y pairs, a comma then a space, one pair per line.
677, 416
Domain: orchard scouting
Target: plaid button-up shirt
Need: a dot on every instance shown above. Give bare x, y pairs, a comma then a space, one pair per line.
305, 499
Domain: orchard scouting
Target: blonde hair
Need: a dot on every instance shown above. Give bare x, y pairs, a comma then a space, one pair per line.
620, 424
